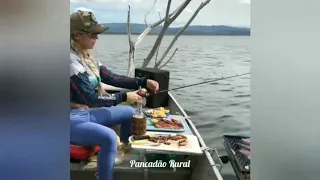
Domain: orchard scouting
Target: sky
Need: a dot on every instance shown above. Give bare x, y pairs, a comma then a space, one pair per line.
217, 12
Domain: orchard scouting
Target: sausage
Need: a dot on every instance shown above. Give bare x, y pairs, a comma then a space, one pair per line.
183, 143
167, 143
181, 135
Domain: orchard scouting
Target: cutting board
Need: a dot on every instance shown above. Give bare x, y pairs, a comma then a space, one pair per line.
192, 147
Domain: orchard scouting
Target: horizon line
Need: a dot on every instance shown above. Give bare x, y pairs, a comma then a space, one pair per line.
179, 26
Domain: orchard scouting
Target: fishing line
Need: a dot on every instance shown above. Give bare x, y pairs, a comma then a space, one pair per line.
190, 85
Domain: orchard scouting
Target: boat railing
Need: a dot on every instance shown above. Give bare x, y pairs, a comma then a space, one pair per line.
209, 152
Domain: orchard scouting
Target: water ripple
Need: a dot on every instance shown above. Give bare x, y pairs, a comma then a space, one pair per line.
242, 95
216, 108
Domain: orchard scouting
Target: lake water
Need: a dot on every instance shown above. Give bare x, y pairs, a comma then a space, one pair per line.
219, 108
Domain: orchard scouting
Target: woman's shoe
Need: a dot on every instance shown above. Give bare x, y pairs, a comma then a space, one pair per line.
122, 150
119, 158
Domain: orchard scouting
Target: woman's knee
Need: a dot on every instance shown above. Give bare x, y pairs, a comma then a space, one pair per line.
119, 110
127, 114
130, 111
109, 138
124, 112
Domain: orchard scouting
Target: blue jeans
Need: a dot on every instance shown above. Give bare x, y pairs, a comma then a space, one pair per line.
91, 128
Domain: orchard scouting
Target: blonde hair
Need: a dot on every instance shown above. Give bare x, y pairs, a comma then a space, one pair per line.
86, 57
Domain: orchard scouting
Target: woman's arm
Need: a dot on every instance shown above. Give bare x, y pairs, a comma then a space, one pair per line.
121, 81
81, 85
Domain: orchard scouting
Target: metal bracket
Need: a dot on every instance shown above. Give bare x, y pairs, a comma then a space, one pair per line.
145, 170
212, 153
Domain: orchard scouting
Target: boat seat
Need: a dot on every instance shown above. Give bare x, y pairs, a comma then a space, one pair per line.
82, 153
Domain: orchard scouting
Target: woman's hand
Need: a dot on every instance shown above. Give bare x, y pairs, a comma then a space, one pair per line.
141, 92
152, 85
133, 97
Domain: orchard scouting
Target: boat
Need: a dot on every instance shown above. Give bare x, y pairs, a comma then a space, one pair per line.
204, 166
236, 149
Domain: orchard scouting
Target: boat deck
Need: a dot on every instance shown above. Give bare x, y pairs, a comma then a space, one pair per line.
138, 172
202, 166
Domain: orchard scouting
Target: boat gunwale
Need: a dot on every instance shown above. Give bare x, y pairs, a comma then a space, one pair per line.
194, 130
201, 141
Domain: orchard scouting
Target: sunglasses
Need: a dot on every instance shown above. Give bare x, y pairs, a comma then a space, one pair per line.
91, 35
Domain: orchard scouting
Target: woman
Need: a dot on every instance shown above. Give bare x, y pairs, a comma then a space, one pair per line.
89, 126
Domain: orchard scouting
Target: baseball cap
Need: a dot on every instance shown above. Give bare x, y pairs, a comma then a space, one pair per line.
85, 21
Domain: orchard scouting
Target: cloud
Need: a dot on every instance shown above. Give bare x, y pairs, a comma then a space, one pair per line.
245, 1
188, 10
94, 1
217, 12
107, 1
84, 9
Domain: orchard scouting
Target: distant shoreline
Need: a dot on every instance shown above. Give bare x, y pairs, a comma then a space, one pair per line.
181, 34
196, 30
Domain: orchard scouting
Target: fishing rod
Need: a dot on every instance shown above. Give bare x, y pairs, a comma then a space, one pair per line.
204, 82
